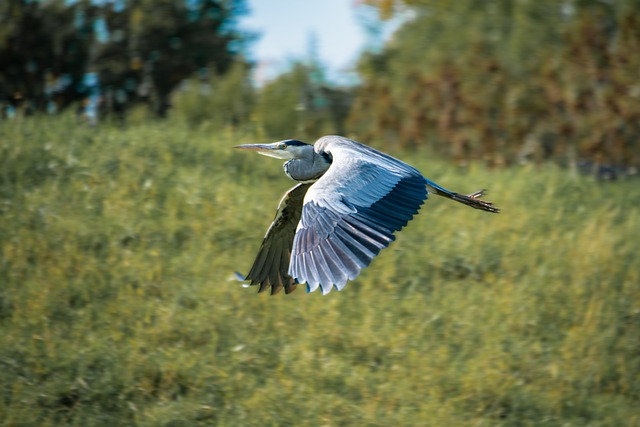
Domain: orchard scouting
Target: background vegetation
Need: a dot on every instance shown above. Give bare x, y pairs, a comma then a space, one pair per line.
118, 304
114, 53
504, 82
119, 239
507, 81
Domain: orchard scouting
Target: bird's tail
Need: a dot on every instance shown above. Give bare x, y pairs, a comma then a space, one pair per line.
472, 200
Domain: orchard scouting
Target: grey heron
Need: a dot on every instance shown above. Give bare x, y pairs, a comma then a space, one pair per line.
349, 201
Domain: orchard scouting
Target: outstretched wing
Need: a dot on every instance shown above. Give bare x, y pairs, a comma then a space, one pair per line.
272, 262
351, 213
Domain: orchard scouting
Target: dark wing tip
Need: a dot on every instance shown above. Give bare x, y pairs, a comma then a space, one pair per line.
269, 270
290, 287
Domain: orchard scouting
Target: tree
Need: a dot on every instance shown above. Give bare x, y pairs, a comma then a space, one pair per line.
223, 101
301, 102
43, 52
140, 49
153, 45
506, 81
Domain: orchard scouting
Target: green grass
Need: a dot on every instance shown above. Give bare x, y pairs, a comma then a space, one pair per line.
117, 304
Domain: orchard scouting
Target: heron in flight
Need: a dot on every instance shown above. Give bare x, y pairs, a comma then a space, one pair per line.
349, 201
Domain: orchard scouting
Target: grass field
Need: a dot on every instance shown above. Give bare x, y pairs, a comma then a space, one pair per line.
118, 307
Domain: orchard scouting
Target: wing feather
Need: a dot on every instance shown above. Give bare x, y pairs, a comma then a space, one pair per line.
270, 268
350, 252
335, 265
351, 213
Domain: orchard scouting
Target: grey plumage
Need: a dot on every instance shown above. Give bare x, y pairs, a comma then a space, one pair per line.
356, 199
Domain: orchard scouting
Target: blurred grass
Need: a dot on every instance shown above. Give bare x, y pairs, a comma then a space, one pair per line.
117, 305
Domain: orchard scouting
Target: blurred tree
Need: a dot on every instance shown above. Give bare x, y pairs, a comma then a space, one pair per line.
303, 103
225, 101
153, 45
44, 49
506, 81
140, 49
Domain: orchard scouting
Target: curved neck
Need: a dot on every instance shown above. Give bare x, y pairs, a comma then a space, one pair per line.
308, 169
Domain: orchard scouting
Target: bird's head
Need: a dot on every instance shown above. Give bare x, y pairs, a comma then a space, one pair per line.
285, 150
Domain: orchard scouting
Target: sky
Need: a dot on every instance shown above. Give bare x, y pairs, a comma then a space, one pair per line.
286, 28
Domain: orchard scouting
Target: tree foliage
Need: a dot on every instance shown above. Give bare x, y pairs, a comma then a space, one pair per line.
301, 101
507, 81
224, 101
498, 80
157, 44
43, 53
139, 49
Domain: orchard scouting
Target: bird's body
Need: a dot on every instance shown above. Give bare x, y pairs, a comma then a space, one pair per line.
349, 202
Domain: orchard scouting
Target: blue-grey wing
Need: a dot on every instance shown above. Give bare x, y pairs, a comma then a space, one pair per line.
351, 213
269, 270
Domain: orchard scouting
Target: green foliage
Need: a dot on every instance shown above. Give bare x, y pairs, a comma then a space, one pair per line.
38, 44
300, 101
154, 45
507, 81
117, 305
140, 49
221, 101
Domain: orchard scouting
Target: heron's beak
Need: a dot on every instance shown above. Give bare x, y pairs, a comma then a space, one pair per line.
271, 150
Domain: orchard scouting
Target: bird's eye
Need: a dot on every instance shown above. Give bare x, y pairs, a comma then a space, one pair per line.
282, 146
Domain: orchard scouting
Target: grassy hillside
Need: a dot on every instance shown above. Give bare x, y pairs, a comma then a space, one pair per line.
118, 307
